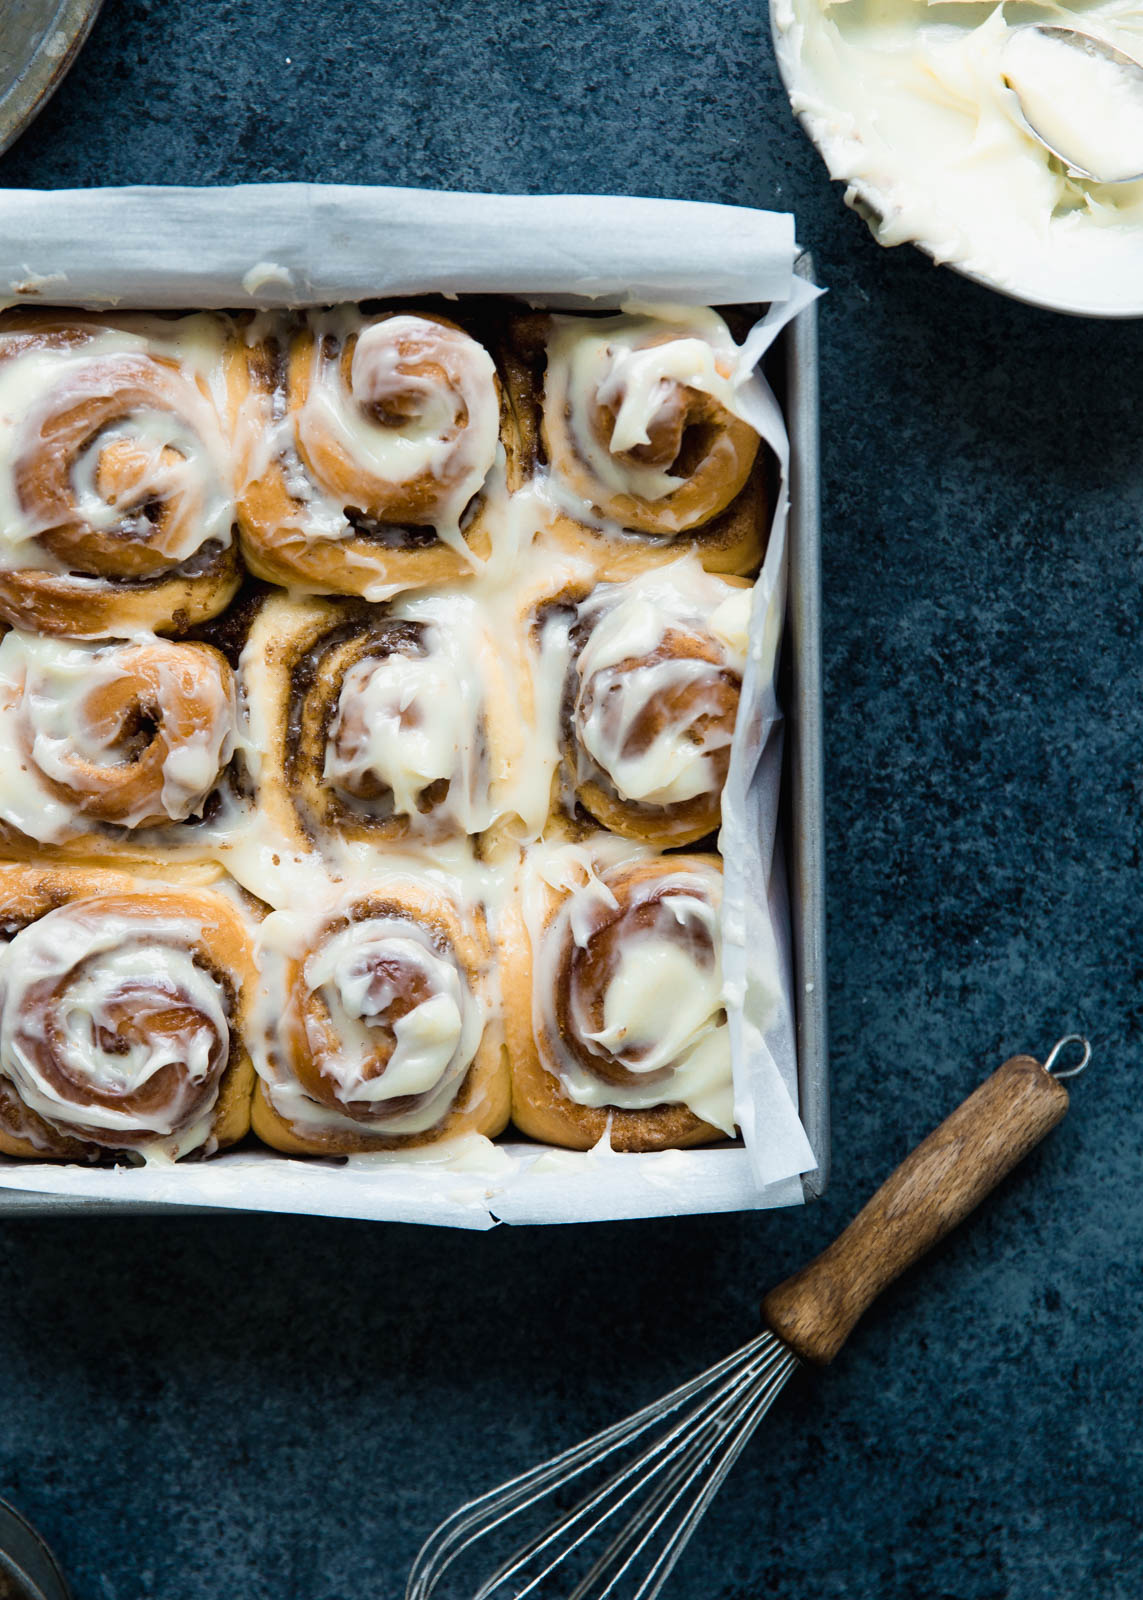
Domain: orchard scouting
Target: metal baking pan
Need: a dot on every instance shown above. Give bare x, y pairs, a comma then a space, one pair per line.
803, 796
793, 370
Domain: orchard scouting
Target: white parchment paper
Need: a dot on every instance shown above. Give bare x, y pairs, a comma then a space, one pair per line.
296, 244
303, 244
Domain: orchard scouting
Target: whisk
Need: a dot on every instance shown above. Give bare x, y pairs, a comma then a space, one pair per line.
697, 1432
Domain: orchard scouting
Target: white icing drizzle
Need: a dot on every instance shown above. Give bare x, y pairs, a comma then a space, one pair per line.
521, 574
46, 692
105, 967
635, 365
173, 440
660, 1007
435, 1041
480, 624
436, 390
408, 721
618, 682
664, 1017
353, 975
400, 721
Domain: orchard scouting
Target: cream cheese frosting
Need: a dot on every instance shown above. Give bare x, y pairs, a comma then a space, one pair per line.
435, 1040
418, 406
664, 1018
391, 1067
166, 446
64, 753
87, 969
910, 106
633, 371
408, 721
622, 673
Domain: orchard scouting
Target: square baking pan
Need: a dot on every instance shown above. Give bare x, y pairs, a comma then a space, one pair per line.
792, 368
803, 793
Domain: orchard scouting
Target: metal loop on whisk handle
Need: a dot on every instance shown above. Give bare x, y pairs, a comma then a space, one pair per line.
1057, 1051
629, 1530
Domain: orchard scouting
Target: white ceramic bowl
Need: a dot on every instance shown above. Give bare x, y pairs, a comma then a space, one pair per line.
1096, 272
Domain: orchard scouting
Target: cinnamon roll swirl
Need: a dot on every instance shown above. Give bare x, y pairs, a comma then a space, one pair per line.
653, 670
379, 723
108, 739
116, 479
644, 436
122, 1009
613, 1001
380, 1028
369, 443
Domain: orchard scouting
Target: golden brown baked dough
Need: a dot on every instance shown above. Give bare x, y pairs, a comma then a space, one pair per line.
109, 738
378, 723
650, 699
606, 515
123, 1005
117, 462
395, 980
393, 727
368, 444
561, 948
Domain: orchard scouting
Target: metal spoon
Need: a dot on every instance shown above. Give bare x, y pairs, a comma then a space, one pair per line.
1097, 49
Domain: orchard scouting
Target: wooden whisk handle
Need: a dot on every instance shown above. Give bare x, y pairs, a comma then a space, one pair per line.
938, 1185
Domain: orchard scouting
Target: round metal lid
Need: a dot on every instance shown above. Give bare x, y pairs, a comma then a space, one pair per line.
28, 1570
38, 43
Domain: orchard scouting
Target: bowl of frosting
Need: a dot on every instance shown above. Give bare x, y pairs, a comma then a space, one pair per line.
1005, 140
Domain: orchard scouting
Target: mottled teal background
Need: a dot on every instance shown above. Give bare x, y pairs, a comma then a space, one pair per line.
273, 1408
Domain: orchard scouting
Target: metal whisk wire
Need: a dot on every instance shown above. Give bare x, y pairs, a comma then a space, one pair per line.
673, 1479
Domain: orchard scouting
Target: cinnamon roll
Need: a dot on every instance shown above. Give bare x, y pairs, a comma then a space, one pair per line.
116, 479
653, 669
369, 443
122, 1010
644, 437
379, 1026
613, 1000
109, 739
379, 723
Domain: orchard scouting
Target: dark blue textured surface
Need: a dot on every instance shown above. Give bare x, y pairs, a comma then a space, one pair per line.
275, 1408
